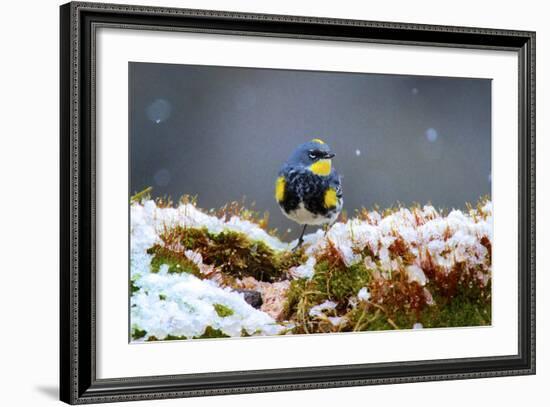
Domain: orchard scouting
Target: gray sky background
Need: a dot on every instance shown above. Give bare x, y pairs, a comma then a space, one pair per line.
223, 133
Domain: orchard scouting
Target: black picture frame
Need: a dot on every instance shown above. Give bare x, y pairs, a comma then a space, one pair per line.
78, 382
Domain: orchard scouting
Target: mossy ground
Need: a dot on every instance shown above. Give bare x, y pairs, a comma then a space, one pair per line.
395, 303
233, 253
452, 298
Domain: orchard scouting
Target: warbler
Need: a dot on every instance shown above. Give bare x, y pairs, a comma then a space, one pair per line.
308, 189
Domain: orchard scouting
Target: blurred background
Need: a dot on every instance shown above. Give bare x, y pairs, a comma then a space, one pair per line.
222, 133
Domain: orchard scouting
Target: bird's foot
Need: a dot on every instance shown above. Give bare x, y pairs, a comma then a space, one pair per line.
300, 239
298, 246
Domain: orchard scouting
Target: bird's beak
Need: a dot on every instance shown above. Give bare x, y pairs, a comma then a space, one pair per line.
329, 155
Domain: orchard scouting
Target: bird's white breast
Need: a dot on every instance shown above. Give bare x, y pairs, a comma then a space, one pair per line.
304, 217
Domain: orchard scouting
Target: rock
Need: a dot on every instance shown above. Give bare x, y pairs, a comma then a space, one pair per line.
272, 295
252, 297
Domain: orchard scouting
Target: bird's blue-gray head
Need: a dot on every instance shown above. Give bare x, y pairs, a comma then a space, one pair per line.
314, 155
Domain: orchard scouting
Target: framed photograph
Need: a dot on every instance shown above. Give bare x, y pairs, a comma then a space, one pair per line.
256, 203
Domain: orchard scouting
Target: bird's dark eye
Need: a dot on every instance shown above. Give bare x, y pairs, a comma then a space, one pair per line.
315, 154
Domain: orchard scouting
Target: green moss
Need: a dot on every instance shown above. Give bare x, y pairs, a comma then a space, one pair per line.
138, 333
174, 338
459, 311
295, 294
192, 238
176, 262
223, 311
365, 318
141, 195
284, 260
162, 297
233, 253
331, 280
133, 288
381, 322
237, 255
210, 333
339, 283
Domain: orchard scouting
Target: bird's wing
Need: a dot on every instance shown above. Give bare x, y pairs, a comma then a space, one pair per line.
285, 169
335, 181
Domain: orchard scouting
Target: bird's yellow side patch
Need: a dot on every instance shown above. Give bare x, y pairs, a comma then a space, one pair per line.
318, 140
331, 200
280, 189
321, 167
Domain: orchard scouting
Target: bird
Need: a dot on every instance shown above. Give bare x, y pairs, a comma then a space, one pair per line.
308, 189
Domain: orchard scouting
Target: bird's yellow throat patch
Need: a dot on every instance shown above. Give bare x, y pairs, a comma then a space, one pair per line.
331, 200
280, 189
321, 167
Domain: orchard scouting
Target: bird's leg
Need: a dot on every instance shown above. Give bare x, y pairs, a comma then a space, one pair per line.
327, 226
300, 239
